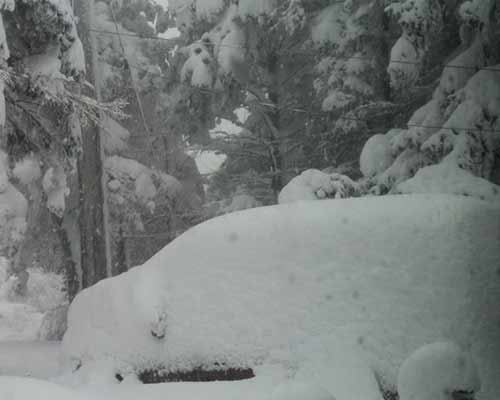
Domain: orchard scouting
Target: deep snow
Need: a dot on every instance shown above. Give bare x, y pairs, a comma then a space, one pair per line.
15, 388
385, 275
433, 372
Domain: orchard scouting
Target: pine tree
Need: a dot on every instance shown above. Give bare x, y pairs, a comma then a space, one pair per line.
450, 143
249, 52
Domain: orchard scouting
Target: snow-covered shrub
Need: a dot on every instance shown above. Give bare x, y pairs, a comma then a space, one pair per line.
313, 184
447, 178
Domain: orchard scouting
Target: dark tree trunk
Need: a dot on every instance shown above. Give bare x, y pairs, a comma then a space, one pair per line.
92, 212
275, 116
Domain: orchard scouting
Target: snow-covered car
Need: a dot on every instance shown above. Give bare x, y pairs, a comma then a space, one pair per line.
338, 291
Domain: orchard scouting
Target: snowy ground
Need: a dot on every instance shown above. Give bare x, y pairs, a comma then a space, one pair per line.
16, 389
30, 359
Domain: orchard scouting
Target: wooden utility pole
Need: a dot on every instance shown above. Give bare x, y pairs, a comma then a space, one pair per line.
95, 253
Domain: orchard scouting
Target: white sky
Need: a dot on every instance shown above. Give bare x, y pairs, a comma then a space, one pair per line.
208, 162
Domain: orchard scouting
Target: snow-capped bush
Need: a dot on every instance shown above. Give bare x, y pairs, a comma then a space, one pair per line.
447, 178
313, 184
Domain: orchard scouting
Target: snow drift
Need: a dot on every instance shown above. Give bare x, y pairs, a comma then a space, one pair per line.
385, 274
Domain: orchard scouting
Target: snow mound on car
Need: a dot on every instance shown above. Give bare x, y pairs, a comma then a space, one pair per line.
388, 274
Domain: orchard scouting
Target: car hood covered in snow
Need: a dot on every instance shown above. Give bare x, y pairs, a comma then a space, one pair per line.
264, 286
